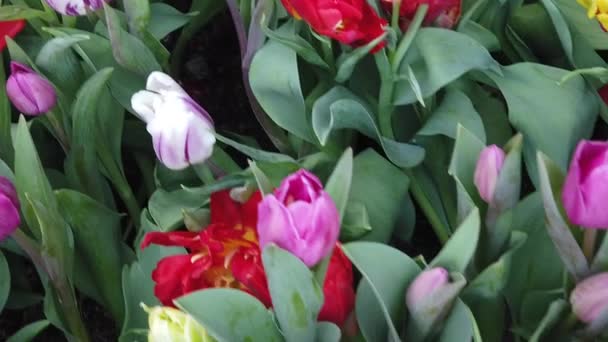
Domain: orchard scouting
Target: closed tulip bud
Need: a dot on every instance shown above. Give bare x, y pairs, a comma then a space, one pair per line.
9, 208
300, 217
31, 93
182, 131
426, 284
590, 297
171, 325
585, 191
489, 164
76, 7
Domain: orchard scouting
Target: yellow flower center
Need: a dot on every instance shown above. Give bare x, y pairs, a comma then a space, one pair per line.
597, 9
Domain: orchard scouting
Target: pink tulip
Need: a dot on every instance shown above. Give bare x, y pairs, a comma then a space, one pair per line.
300, 217
590, 297
585, 191
425, 285
489, 164
9, 208
31, 93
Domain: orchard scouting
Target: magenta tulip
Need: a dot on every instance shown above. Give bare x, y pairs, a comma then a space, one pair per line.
425, 285
31, 93
300, 217
9, 208
489, 164
590, 297
585, 191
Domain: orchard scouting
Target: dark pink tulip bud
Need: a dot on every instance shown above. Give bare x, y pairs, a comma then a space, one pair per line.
9, 208
29, 92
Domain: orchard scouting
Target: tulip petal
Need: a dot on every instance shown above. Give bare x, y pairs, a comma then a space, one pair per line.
321, 230
10, 217
143, 104
160, 82
276, 225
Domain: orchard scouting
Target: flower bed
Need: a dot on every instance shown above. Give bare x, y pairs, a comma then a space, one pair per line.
345, 170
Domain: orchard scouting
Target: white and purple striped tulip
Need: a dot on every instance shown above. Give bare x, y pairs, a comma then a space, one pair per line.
75, 7
182, 131
29, 92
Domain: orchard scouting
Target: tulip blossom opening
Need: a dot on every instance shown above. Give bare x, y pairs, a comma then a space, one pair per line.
489, 164
300, 217
589, 299
10, 28
585, 190
29, 92
76, 7
182, 131
166, 324
9, 208
440, 13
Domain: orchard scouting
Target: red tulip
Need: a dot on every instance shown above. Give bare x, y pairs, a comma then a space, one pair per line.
10, 28
352, 22
338, 289
441, 13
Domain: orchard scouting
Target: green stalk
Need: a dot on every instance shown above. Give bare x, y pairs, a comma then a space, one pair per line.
409, 36
439, 228
589, 238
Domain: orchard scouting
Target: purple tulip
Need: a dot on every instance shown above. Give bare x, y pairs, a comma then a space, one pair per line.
585, 191
425, 285
590, 297
182, 132
9, 208
29, 92
75, 7
300, 217
489, 164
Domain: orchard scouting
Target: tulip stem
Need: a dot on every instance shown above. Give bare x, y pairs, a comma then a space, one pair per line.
395, 15
589, 238
408, 38
58, 131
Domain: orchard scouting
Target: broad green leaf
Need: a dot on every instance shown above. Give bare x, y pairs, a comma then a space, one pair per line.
59, 63
7, 153
457, 253
231, 315
165, 19
328, 332
576, 15
464, 160
355, 222
296, 296
5, 280
537, 101
338, 184
387, 273
381, 188
438, 57
347, 61
166, 207
14, 12
300, 45
275, 82
138, 15
261, 179
484, 36
460, 325
29, 332
551, 180
554, 313
455, 109
254, 153
340, 109
97, 233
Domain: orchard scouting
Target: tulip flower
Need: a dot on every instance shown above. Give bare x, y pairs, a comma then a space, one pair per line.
352, 22
425, 285
10, 28
9, 208
31, 93
182, 131
590, 297
441, 13
585, 191
489, 164
167, 324
76, 7
338, 289
300, 217
597, 9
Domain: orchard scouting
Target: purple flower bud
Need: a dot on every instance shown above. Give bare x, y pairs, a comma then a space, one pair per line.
29, 92
489, 164
182, 131
585, 191
425, 285
75, 7
590, 297
300, 217
9, 208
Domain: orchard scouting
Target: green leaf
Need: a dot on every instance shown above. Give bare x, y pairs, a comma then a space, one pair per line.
264, 184
97, 232
460, 325
29, 332
231, 315
347, 61
14, 12
254, 153
355, 222
387, 273
7, 153
551, 180
338, 184
438, 57
464, 161
166, 207
339, 109
457, 253
589, 28
165, 19
59, 63
138, 15
536, 101
455, 109
5, 281
553, 316
298, 44
328, 332
128, 50
275, 81
381, 188
296, 296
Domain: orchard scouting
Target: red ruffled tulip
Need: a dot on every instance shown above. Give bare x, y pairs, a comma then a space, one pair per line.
352, 22
441, 13
10, 28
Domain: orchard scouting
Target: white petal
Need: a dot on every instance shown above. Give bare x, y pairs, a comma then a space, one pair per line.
159, 82
143, 104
